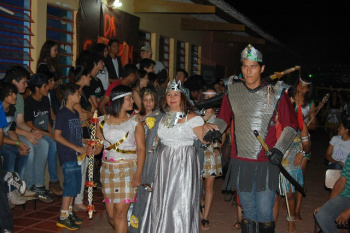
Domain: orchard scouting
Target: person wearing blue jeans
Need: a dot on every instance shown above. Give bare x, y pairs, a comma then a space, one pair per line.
14, 152
258, 204
37, 114
52, 158
338, 204
254, 104
38, 147
35, 169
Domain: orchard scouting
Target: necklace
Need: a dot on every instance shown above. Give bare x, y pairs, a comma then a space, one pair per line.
171, 118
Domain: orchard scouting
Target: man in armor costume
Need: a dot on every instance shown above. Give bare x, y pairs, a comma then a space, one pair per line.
256, 104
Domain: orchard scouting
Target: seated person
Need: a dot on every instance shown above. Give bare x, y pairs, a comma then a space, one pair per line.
339, 200
13, 151
37, 114
339, 147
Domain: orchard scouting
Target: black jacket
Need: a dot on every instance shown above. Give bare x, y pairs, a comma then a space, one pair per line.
112, 74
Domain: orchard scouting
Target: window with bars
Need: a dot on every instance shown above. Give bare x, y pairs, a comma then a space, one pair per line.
194, 59
15, 20
144, 39
60, 24
180, 55
164, 50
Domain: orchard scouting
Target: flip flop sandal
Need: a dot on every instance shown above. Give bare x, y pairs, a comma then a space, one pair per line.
236, 226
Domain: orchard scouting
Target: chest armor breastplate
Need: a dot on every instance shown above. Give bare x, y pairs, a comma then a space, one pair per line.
252, 110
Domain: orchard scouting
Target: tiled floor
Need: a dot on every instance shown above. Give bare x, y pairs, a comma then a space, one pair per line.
44, 218
222, 215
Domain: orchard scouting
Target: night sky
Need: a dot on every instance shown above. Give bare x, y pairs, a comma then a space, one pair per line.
318, 31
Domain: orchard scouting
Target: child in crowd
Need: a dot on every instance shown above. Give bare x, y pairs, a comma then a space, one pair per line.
11, 178
13, 151
339, 147
37, 114
68, 134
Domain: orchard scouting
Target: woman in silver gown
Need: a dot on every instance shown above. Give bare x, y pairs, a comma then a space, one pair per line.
174, 202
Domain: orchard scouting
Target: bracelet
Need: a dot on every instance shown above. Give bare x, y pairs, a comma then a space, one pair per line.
305, 139
17, 143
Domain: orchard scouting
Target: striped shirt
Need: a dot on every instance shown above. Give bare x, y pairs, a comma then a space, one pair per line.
346, 173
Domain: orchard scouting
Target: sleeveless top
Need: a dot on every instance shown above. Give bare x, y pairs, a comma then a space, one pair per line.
180, 134
305, 110
113, 133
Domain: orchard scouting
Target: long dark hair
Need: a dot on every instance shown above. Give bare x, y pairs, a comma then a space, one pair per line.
45, 56
308, 95
116, 105
75, 73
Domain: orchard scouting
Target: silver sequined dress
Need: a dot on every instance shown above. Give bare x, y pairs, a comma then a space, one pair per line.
174, 203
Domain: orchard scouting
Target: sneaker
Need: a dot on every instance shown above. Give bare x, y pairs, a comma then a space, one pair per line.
15, 198
67, 223
6, 231
29, 193
74, 218
14, 180
42, 194
55, 188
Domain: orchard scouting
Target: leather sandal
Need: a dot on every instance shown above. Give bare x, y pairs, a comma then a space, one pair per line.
205, 224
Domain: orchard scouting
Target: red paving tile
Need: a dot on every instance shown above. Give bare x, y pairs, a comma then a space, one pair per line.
40, 215
32, 230
24, 222
47, 225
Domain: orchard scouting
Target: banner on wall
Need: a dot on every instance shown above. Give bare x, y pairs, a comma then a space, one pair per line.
98, 23
88, 26
122, 26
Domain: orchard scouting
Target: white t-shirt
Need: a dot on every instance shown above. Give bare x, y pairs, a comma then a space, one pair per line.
116, 66
103, 76
341, 149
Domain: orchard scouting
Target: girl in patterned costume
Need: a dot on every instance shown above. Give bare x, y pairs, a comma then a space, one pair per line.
212, 164
124, 156
174, 202
292, 161
301, 98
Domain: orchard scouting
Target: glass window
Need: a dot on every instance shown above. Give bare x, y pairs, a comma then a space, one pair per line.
164, 48
180, 55
194, 59
60, 24
15, 19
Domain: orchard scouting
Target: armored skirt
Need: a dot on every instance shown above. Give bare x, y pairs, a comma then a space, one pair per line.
174, 203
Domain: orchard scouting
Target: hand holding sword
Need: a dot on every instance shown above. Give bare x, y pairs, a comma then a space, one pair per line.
274, 155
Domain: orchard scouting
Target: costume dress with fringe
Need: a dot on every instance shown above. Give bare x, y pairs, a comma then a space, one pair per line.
294, 171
